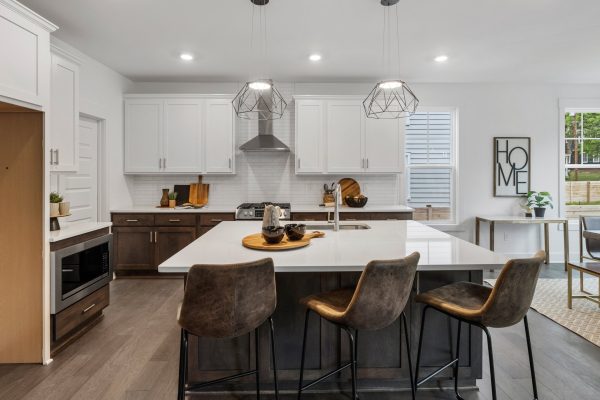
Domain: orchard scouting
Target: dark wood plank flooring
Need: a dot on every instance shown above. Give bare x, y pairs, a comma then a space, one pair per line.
133, 354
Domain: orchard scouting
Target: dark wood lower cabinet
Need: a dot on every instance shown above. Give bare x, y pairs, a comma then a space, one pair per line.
133, 248
169, 240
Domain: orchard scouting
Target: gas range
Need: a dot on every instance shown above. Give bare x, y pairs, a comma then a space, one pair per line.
255, 211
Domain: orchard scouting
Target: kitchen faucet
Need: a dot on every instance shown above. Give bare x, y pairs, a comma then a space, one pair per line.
336, 209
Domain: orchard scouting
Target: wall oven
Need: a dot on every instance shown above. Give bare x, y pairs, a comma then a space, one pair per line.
79, 270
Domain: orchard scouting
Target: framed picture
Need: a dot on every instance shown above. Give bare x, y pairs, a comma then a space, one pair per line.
512, 162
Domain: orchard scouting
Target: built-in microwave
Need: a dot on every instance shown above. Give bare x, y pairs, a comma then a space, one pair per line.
79, 270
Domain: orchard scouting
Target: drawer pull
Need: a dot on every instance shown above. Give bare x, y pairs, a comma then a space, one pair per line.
151, 237
174, 220
132, 220
89, 308
216, 220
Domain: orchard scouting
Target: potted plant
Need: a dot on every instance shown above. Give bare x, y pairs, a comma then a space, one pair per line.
55, 200
64, 208
172, 199
538, 201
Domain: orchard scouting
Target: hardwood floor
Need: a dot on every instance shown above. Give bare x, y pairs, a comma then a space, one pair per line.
133, 354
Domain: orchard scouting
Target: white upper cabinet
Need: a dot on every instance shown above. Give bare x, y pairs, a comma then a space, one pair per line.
64, 113
219, 136
345, 127
352, 142
182, 138
24, 54
309, 136
143, 135
178, 134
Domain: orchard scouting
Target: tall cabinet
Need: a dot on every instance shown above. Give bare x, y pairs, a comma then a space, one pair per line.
179, 134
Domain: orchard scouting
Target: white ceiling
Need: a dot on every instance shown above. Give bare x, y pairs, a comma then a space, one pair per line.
486, 40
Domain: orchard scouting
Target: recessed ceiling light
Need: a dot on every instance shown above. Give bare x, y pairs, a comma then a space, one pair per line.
186, 56
441, 59
315, 57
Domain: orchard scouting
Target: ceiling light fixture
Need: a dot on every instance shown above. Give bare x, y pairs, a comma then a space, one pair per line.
186, 56
315, 57
392, 98
441, 59
258, 99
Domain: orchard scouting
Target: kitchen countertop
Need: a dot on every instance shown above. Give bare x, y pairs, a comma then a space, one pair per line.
76, 229
150, 209
367, 208
231, 209
345, 250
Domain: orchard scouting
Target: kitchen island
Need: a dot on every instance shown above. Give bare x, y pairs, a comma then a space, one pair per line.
332, 262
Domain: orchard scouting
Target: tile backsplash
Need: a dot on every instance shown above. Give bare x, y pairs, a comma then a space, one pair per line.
267, 176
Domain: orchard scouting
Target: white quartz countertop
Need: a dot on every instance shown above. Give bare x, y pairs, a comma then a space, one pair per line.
344, 250
231, 209
76, 229
367, 208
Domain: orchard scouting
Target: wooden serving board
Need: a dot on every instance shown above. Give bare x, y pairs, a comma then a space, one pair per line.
349, 188
257, 242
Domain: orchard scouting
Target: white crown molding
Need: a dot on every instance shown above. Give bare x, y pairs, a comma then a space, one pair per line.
177, 96
64, 53
29, 14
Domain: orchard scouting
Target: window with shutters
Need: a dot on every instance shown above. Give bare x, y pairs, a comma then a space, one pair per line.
430, 164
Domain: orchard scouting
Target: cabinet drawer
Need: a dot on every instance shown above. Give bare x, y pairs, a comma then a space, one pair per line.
80, 312
214, 219
175, 220
316, 216
355, 216
399, 215
133, 219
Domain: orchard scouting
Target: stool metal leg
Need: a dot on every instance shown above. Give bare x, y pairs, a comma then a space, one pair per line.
420, 346
303, 354
491, 357
257, 357
275, 383
455, 372
183, 354
353, 361
530, 352
406, 338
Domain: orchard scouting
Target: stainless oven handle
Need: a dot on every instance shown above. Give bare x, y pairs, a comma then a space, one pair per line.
88, 309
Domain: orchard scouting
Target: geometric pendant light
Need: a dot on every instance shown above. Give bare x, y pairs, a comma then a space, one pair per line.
391, 98
259, 100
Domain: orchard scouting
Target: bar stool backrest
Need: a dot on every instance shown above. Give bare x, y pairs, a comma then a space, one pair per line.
382, 293
592, 223
225, 301
513, 292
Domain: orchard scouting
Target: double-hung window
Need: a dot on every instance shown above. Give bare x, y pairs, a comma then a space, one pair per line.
430, 164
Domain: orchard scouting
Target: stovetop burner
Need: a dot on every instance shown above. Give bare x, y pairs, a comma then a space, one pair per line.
252, 211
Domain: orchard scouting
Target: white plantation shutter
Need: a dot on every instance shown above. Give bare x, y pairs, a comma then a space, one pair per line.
429, 159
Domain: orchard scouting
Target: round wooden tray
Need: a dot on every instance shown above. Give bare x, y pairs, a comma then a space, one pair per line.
257, 242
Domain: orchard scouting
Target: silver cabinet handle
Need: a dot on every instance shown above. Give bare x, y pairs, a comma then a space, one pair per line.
367, 163
51, 157
57, 157
132, 220
174, 220
164, 163
299, 163
229, 162
160, 163
155, 237
88, 308
150, 237
362, 162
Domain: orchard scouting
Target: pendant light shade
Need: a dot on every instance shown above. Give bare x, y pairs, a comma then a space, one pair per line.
391, 99
259, 100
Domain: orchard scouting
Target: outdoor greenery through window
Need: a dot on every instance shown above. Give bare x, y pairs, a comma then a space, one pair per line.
582, 163
430, 165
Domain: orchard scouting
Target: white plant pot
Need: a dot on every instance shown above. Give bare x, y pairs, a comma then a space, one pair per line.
54, 210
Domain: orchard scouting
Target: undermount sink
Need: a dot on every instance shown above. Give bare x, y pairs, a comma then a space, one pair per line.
342, 227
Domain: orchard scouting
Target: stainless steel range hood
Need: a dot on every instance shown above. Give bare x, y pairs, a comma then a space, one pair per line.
265, 141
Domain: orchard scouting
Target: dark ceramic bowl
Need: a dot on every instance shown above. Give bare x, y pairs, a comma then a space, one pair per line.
273, 234
295, 231
356, 201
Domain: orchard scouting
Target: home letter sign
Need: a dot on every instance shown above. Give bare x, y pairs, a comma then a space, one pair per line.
511, 166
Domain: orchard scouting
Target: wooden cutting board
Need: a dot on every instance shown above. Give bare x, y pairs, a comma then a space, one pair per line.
349, 188
257, 242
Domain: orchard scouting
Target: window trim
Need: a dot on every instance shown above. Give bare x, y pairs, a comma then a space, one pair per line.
453, 165
566, 105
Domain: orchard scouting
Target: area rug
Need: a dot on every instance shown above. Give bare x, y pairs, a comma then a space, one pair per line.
550, 299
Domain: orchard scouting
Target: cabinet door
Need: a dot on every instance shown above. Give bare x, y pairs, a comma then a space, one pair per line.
345, 126
133, 248
64, 117
143, 133
169, 240
182, 138
383, 141
309, 136
219, 136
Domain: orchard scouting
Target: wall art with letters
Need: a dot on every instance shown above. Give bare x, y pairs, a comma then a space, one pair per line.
512, 166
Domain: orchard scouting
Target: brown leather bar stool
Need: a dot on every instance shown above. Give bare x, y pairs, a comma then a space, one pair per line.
227, 301
377, 301
502, 306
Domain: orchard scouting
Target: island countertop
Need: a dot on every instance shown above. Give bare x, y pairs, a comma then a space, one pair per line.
341, 251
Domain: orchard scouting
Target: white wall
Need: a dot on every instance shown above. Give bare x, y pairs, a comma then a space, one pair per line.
101, 96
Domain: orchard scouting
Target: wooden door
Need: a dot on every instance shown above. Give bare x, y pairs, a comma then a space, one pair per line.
309, 136
143, 133
182, 138
383, 145
133, 248
345, 120
219, 136
64, 118
169, 240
